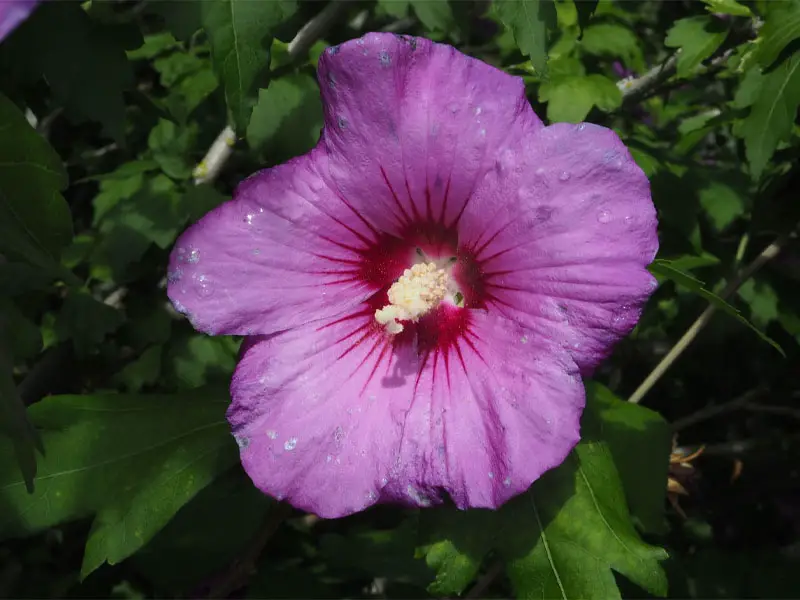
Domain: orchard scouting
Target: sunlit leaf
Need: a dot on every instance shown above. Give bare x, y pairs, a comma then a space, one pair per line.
129, 461
239, 32
772, 114
697, 38
562, 538
531, 22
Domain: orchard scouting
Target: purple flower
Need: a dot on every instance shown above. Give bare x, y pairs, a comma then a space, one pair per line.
14, 12
424, 289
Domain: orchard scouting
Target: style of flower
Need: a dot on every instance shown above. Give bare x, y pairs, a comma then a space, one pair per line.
423, 291
14, 12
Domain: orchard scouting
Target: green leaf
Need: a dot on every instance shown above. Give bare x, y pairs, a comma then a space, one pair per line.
14, 421
727, 7
83, 62
562, 538
86, 321
570, 99
171, 146
749, 88
772, 114
387, 553
611, 39
531, 22
781, 27
287, 120
142, 371
640, 441
35, 222
698, 38
183, 554
239, 32
585, 10
665, 270
129, 461
762, 300
394, 8
723, 200
435, 15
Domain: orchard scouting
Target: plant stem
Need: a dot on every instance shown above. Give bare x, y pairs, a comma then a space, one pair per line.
687, 338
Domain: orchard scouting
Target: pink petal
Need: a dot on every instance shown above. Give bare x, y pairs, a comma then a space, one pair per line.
333, 418
413, 126
280, 254
14, 12
563, 230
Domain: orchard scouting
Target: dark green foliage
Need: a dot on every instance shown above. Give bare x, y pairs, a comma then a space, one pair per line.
118, 473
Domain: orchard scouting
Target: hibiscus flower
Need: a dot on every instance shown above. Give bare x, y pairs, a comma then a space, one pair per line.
423, 291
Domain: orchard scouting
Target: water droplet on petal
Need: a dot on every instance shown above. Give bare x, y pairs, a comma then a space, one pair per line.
194, 256
385, 59
342, 123
603, 216
580, 126
338, 434
524, 339
564, 176
202, 287
175, 276
290, 444
242, 441
507, 481
272, 434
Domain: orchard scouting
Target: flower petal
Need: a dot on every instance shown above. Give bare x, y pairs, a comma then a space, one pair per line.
283, 252
415, 125
333, 418
14, 12
563, 230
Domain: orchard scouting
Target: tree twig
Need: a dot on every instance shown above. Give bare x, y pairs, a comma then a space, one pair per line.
485, 581
687, 338
712, 411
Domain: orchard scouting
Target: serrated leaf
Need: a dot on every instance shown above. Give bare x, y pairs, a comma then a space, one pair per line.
35, 221
762, 300
435, 15
183, 554
86, 321
697, 38
781, 27
561, 539
611, 39
142, 371
129, 461
640, 441
240, 33
723, 200
772, 114
531, 22
14, 422
570, 99
727, 7
665, 270
84, 63
287, 120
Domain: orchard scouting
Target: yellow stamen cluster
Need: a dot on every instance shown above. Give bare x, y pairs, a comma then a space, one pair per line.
419, 290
